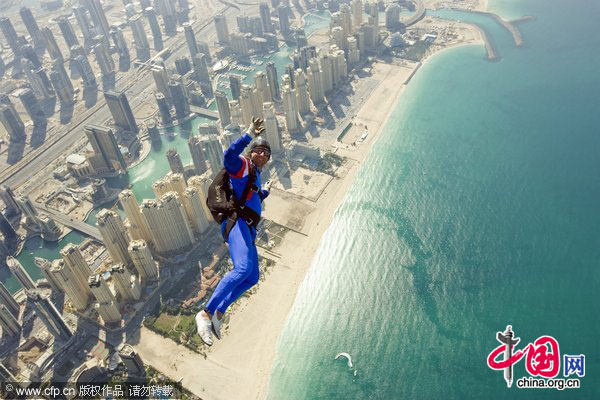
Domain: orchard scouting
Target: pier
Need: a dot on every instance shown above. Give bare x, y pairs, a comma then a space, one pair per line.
205, 112
65, 220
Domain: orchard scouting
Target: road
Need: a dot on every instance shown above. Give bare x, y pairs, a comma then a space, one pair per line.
71, 223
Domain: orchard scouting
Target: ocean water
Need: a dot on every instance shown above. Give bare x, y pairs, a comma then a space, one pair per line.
492, 219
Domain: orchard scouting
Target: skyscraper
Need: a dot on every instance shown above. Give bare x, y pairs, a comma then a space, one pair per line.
10, 35
32, 106
201, 68
67, 31
175, 161
195, 145
107, 303
223, 108
78, 269
114, 236
155, 28
132, 361
190, 39
180, 100
98, 17
72, 283
6, 229
283, 13
86, 72
45, 267
235, 84
161, 79
137, 225
51, 44
167, 9
182, 65
20, 273
104, 144
246, 104
142, 47
315, 85
392, 16
119, 41
142, 260
302, 98
32, 27
9, 323
260, 80
126, 285
273, 80
63, 87
214, 154
192, 203
121, 112
104, 59
163, 108
12, 123
168, 223
265, 17
222, 31
8, 300
82, 20
47, 312
10, 203
290, 107
271, 129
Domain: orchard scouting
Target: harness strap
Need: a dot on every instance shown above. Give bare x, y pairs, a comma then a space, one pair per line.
249, 215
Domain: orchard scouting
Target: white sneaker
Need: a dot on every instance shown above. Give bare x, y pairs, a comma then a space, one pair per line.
203, 324
216, 326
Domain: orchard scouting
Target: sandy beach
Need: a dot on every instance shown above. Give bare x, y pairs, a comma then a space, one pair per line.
239, 365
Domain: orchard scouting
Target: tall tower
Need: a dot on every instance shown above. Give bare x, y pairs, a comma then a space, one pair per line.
223, 108
190, 38
201, 68
357, 12
32, 27
137, 224
315, 85
235, 84
82, 20
180, 100
12, 122
77, 267
164, 109
114, 235
104, 143
301, 92
273, 81
61, 83
20, 273
179, 230
142, 260
271, 129
107, 304
67, 31
154, 219
142, 47
195, 145
47, 312
121, 111
175, 161
132, 361
32, 106
8, 300
283, 13
9, 322
86, 71
155, 28
126, 285
104, 59
265, 17
119, 41
194, 210
71, 283
260, 79
290, 107
45, 266
51, 44
10, 35
326, 72
214, 154
222, 31
98, 17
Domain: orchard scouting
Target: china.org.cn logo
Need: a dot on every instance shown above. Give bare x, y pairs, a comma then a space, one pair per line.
542, 362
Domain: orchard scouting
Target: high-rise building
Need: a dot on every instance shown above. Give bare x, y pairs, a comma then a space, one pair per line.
283, 13
236, 114
180, 100
20, 273
153, 132
195, 145
114, 236
289, 71
85, 27
235, 84
164, 109
243, 23
222, 31
290, 107
246, 104
8, 300
326, 71
142, 260
104, 59
119, 41
142, 47
201, 184
29, 53
86, 72
340, 66
175, 161
357, 12
239, 43
126, 285
273, 81
32, 27
223, 108
67, 31
12, 123
105, 145
214, 154
201, 68
9, 323
392, 16
353, 52
47, 312
155, 28
38, 80
161, 79
51, 44
205, 49
10, 203
10, 35
108, 307
45, 267
190, 39
137, 225
32, 106
192, 203
166, 8
132, 361
176, 183
271, 129
78, 268
265, 17
72, 283
302, 98
260, 80
6, 229
63, 87
121, 111
98, 17
315, 85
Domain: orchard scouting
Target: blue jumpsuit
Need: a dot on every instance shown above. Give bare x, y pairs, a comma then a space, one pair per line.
241, 239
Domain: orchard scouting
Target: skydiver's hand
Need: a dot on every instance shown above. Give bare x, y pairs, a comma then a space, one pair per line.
256, 127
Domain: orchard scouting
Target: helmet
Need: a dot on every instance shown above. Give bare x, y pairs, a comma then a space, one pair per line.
260, 143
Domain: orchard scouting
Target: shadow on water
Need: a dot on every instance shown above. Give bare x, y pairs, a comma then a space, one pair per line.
422, 279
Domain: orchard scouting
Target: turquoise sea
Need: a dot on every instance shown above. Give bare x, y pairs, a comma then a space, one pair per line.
493, 219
